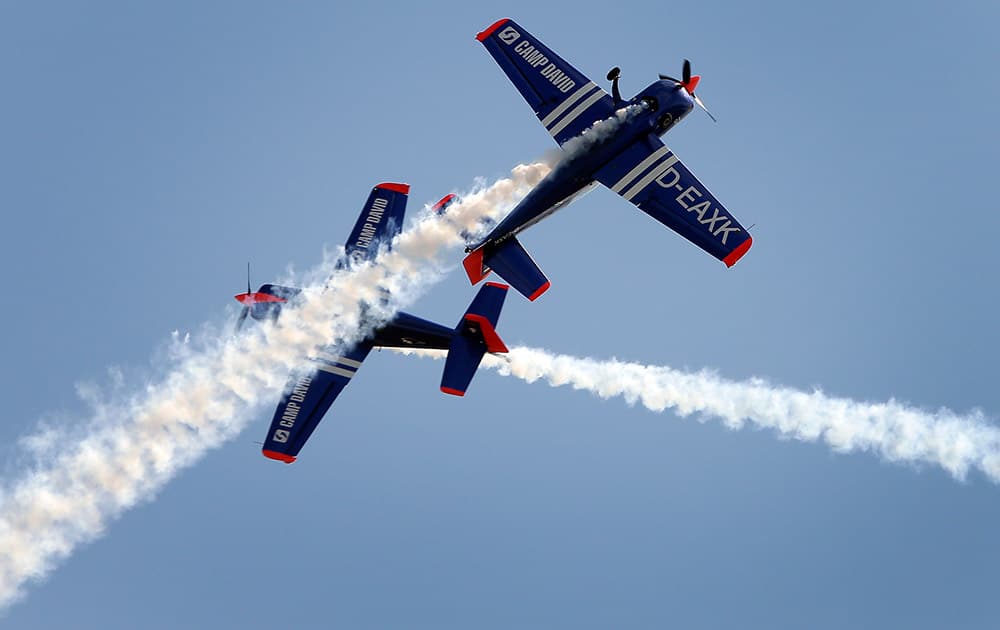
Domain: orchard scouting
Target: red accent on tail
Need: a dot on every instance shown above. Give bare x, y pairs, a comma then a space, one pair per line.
692, 84
474, 267
442, 205
452, 391
490, 29
400, 188
737, 253
249, 299
498, 285
542, 289
281, 457
493, 341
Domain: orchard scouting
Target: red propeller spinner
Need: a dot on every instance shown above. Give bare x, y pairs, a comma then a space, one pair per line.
689, 83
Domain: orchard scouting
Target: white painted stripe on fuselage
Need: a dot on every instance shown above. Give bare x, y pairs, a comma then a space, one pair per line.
653, 174
566, 104
332, 369
638, 170
573, 115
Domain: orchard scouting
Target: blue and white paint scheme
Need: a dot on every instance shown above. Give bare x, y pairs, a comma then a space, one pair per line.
607, 140
308, 396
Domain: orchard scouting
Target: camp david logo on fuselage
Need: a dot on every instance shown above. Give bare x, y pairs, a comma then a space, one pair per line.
508, 35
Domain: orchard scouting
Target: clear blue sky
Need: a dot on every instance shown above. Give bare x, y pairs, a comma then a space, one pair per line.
148, 151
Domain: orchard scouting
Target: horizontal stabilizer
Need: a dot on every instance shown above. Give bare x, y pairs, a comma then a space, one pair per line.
512, 263
475, 336
475, 268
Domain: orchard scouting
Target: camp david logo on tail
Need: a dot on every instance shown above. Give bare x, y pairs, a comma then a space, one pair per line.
509, 35
281, 435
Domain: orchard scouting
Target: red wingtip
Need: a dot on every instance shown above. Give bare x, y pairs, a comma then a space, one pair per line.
491, 29
249, 299
738, 253
497, 285
474, 267
692, 84
452, 391
281, 457
442, 205
400, 188
542, 289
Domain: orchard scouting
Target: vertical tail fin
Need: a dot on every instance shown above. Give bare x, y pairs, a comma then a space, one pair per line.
474, 336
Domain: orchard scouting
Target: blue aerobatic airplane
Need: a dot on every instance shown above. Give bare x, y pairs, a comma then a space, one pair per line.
627, 156
307, 397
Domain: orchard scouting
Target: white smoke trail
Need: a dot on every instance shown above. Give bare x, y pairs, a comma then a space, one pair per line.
895, 431
130, 447
602, 129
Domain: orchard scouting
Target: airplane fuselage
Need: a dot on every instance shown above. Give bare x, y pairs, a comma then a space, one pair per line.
663, 103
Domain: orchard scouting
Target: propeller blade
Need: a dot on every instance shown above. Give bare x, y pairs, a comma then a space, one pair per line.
687, 71
249, 290
242, 318
700, 103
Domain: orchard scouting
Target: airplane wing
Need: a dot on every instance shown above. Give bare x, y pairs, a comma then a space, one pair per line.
653, 178
380, 221
564, 100
309, 397
307, 400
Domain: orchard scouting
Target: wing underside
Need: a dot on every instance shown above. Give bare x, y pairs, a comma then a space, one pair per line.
653, 178
307, 399
381, 219
564, 100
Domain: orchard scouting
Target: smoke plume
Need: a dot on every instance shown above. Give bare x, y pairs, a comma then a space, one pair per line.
892, 430
87, 474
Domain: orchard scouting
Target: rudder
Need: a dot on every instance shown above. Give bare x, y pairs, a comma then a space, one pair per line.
474, 336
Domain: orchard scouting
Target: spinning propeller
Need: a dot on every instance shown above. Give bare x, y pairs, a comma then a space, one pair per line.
246, 309
689, 84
